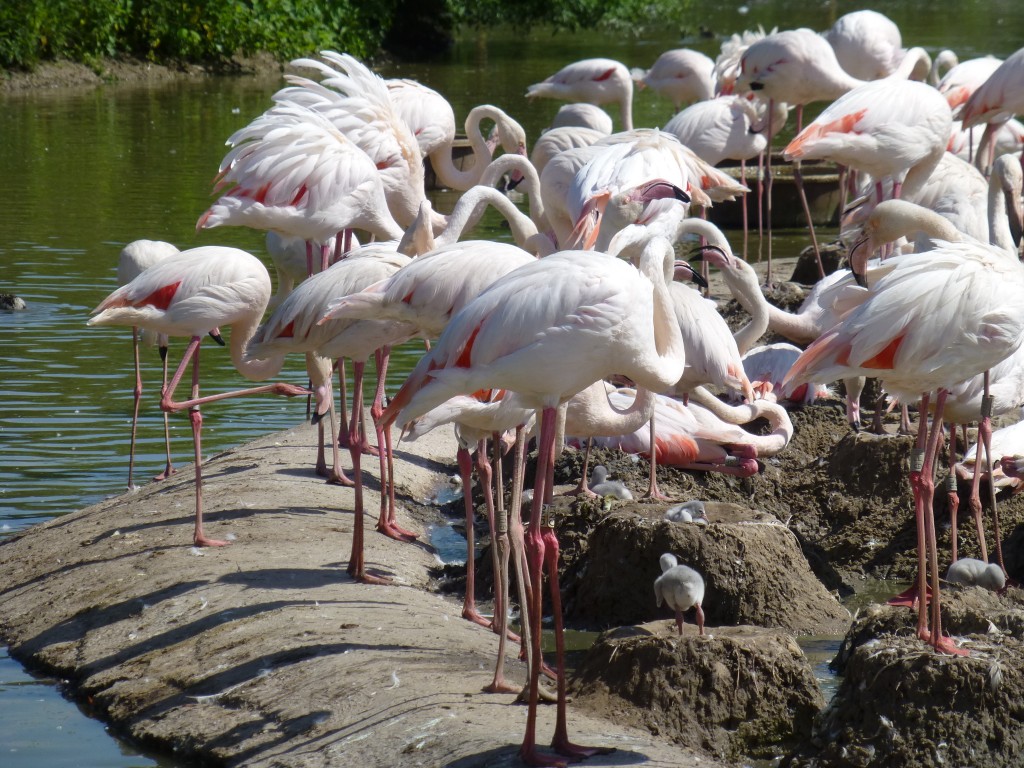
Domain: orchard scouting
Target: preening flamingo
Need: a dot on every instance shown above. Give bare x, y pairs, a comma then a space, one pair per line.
190, 294
682, 76
998, 99
933, 319
292, 171
868, 45
595, 81
579, 316
134, 258
681, 588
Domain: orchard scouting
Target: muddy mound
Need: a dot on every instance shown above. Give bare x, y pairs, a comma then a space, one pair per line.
752, 566
735, 691
902, 705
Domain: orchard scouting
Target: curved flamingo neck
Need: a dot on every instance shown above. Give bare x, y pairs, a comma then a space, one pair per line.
663, 366
508, 163
254, 370
1004, 204
746, 291
470, 209
778, 420
443, 163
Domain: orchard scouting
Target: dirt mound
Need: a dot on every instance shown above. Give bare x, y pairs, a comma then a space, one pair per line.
752, 566
735, 691
901, 704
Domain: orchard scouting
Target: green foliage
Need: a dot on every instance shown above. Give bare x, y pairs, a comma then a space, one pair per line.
208, 31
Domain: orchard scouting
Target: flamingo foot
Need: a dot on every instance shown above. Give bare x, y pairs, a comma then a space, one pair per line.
509, 634
200, 540
530, 756
396, 532
343, 480
502, 686
581, 491
544, 696
469, 613
944, 644
168, 471
365, 578
906, 599
577, 752
656, 495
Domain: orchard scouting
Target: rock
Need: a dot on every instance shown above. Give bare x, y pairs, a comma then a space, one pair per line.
735, 691
806, 271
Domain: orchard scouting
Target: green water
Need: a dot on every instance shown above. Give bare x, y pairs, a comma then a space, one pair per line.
87, 171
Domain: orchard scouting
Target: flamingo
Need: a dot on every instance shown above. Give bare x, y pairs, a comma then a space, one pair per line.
579, 317
868, 45
885, 128
134, 258
682, 76
581, 115
998, 99
730, 56
595, 81
295, 327
191, 294
976, 573
766, 368
681, 588
692, 511
704, 435
933, 319
799, 67
601, 486
559, 139
432, 121
292, 171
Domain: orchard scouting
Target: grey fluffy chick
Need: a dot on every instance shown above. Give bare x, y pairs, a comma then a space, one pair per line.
682, 588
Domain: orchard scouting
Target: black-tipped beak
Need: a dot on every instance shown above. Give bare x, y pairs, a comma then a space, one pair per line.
756, 86
163, 354
215, 335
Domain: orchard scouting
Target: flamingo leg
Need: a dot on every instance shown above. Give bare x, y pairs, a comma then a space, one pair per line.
798, 179
652, 488
168, 404
768, 193
469, 610
952, 498
915, 596
581, 488
984, 443
746, 229
386, 522
356, 564
940, 643
168, 467
137, 394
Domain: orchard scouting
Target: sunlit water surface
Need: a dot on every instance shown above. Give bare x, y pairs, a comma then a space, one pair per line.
87, 171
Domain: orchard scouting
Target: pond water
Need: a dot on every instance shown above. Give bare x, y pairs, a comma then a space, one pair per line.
87, 171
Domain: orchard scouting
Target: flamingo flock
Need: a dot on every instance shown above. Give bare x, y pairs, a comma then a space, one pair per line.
524, 341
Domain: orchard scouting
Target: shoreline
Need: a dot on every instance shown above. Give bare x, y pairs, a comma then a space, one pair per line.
265, 652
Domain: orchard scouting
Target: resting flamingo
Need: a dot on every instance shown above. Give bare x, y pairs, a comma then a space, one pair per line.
134, 258
191, 294
579, 316
932, 319
595, 81
868, 45
682, 76
581, 115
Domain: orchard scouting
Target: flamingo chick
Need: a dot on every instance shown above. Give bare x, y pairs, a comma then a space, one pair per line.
681, 588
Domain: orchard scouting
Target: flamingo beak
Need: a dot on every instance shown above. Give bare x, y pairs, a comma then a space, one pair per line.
215, 335
858, 259
588, 225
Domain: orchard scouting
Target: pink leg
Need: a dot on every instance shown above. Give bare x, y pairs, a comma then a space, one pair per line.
356, 564
199, 538
335, 475
469, 610
581, 489
916, 596
652, 488
768, 193
137, 394
535, 544
386, 521
168, 467
952, 497
560, 742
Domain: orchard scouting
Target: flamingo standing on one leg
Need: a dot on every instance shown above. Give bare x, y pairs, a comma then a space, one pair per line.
933, 319
191, 294
567, 315
134, 258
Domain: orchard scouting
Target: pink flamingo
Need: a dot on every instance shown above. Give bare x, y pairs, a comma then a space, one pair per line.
931, 320
579, 317
134, 258
580, 115
999, 98
191, 294
292, 171
885, 128
682, 76
595, 81
868, 45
